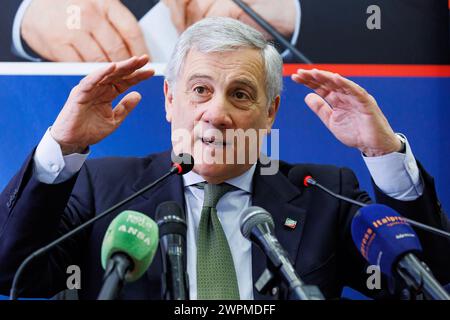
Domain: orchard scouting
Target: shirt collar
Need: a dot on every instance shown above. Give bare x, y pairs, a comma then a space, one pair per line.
243, 182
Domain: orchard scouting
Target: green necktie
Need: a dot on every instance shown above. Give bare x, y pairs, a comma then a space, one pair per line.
216, 276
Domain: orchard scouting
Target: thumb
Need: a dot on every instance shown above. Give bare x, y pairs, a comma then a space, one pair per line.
125, 106
128, 28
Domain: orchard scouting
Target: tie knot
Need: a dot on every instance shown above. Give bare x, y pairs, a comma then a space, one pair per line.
213, 192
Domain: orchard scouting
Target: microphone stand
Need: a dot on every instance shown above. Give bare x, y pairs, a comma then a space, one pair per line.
270, 279
310, 181
13, 293
412, 284
114, 278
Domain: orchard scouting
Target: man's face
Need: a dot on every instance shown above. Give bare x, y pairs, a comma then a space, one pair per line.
214, 95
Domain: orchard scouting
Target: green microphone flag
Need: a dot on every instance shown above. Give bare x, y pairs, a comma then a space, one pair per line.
134, 234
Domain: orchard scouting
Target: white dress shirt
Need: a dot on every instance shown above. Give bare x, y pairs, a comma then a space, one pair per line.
16, 34
229, 210
396, 174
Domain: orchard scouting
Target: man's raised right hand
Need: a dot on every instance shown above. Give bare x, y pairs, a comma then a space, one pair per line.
88, 116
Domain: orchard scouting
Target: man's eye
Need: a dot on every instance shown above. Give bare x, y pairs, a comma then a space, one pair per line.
200, 90
241, 95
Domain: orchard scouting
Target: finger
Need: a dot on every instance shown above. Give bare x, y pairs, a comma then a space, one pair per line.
306, 74
128, 28
302, 74
111, 42
223, 9
306, 78
333, 87
345, 88
319, 106
134, 79
107, 92
313, 85
89, 49
125, 106
125, 68
326, 78
339, 84
178, 13
197, 10
66, 53
93, 79
350, 88
328, 89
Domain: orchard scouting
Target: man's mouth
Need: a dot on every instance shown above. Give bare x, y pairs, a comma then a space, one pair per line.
211, 141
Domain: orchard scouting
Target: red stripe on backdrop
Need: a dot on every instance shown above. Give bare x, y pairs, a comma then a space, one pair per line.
375, 70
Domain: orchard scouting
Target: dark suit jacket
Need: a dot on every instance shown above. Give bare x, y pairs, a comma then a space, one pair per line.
7, 14
32, 214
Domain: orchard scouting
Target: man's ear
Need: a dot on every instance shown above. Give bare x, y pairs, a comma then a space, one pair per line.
168, 94
272, 112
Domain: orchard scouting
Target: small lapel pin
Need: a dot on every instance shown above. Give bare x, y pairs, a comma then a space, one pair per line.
290, 223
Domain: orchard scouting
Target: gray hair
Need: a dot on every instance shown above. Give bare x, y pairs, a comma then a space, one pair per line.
221, 34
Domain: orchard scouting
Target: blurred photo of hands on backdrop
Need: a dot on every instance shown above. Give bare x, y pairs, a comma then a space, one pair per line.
325, 31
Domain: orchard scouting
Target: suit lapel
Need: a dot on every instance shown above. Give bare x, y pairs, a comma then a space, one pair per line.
281, 198
170, 189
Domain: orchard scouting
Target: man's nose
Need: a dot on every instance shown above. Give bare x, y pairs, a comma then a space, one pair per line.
217, 113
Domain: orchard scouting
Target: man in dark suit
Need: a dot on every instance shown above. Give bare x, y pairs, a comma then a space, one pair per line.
224, 76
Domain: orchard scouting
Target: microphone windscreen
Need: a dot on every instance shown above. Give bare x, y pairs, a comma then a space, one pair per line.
170, 219
253, 216
135, 235
184, 163
382, 236
297, 175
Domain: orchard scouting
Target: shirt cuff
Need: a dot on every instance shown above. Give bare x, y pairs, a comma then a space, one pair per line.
16, 35
297, 27
397, 174
50, 166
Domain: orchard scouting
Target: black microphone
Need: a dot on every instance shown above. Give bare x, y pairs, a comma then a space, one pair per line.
179, 167
308, 180
257, 225
272, 31
172, 233
385, 239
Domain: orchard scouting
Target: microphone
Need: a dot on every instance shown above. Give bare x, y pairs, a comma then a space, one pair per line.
384, 238
272, 31
257, 225
128, 249
172, 232
308, 180
183, 163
